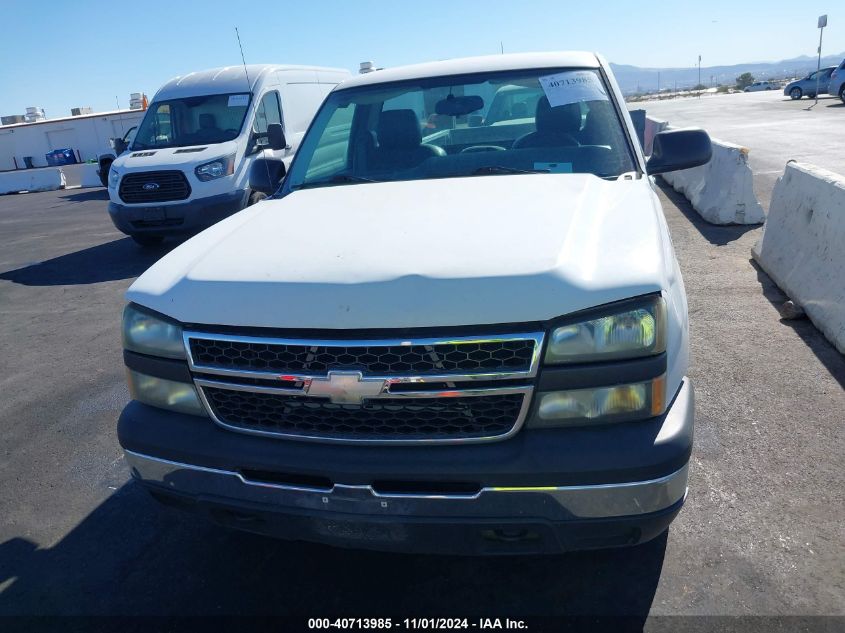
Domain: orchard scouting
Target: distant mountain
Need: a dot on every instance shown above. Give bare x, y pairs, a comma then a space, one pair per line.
633, 79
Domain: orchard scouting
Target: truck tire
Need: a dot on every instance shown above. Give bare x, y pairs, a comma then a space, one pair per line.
148, 241
105, 166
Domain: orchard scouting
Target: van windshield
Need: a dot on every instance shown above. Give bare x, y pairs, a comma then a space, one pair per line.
192, 121
557, 121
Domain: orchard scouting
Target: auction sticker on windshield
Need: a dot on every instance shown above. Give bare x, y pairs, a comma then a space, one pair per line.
572, 86
238, 100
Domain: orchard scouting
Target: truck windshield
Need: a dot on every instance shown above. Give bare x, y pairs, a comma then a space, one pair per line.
192, 121
557, 121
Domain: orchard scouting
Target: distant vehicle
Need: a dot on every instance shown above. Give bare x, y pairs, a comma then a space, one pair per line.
806, 87
761, 85
836, 86
119, 145
188, 165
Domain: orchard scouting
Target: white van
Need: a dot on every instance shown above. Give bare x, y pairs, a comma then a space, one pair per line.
188, 165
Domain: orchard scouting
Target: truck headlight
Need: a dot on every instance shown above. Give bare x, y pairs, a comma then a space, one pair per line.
628, 331
600, 405
113, 178
216, 169
165, 394
149, 333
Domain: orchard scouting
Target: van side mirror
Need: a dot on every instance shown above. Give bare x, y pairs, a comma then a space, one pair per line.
674, 150
266, 175
119, 145
276, 136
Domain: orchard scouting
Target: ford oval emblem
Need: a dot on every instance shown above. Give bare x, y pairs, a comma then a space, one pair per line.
150, 186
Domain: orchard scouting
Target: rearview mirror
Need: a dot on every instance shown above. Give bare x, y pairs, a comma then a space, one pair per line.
266, 175
276, 136
119, 145
458, 106
674, 150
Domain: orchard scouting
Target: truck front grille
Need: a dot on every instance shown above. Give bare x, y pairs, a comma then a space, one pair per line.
154, 186
456, 389
373, 420
391, 359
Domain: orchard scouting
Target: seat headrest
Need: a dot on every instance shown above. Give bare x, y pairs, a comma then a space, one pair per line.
399, 129
563, 119
207, 121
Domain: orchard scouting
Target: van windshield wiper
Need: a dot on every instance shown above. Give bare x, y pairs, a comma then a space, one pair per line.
334, 180
501, 169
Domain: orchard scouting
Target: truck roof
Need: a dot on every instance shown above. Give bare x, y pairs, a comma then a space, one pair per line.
487, 63
227, 79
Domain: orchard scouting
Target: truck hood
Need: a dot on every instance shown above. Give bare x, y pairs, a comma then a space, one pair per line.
458, 251
144, 159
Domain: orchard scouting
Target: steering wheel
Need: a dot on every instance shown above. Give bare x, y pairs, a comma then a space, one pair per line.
472, 149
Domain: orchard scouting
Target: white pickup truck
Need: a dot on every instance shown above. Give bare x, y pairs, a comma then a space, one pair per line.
441, 334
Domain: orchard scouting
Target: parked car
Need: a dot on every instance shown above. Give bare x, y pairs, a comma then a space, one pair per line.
118, 145
806, 87
761, 85
190, 159
472, 340
836, 86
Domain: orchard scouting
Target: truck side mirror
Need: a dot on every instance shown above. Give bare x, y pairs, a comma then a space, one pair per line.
674, 150
276, 136
266, 175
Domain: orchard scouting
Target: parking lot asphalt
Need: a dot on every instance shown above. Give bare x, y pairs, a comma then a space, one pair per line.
763, 530
774, 127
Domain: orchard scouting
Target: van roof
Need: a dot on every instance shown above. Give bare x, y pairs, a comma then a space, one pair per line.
487, 63
228, 79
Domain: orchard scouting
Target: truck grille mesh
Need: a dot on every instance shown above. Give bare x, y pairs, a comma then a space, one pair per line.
376, 419
512, 355
171, 185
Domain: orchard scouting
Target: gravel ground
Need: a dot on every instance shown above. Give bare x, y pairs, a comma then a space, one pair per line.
763, 531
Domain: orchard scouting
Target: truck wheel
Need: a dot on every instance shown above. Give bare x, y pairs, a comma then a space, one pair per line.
255, 196
148, 241
795, 93
105, 166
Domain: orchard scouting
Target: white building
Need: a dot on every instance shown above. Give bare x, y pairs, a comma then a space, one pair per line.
88, 135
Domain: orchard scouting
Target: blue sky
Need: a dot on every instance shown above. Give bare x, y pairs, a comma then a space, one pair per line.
60, 54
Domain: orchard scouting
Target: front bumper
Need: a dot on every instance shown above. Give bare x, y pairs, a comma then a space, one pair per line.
176, 219
540, 491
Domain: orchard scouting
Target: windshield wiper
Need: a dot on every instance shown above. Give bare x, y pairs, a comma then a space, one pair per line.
334, 180
501, 169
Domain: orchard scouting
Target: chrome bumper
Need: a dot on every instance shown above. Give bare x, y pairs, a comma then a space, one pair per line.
554, 503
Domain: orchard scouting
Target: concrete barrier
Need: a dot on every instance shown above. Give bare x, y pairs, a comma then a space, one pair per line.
652, 127
722, 191
801, 247
46, 179
89, 176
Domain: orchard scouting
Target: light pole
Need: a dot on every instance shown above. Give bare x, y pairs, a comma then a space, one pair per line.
822, 23
699, 76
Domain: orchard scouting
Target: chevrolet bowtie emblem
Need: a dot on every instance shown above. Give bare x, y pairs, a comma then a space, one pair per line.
345, 387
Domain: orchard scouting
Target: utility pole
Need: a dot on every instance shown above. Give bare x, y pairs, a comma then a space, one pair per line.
821, 24
699, 75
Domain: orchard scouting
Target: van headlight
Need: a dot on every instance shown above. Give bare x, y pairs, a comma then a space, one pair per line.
629, 331
113, 178
216, 169
153, 334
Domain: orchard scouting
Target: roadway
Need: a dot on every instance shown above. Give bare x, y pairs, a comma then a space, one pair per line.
774, 127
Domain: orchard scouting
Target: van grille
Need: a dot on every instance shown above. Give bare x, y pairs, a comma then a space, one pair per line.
154, 186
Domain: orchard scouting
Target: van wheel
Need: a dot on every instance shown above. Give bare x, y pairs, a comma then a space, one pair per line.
148, 241
795, 93
255, 196
105, 166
